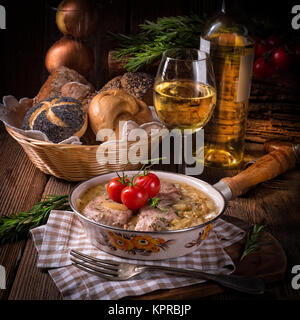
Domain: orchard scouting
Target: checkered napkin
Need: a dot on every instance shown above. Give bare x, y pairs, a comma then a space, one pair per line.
64, 232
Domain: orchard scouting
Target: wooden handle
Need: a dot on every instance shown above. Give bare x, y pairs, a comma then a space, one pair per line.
265, 168
272, 145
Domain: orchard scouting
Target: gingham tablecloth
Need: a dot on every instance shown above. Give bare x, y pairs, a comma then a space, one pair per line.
64, 232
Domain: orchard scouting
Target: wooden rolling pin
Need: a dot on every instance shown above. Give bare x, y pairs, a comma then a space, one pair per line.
282, 158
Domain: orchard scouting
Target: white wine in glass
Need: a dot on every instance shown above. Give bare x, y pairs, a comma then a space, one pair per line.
184, 89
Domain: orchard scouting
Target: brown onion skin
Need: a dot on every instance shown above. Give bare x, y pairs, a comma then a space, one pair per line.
77, 18
69, 53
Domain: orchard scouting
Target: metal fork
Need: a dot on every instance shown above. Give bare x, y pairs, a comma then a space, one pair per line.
120, 271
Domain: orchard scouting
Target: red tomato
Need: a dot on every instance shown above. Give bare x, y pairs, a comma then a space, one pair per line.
281, 59
273, 42
150, 182
134, 197
263, 68
115, 187
260, 49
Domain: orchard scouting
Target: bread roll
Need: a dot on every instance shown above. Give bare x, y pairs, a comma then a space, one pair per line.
81, 92
110, 107
138, 84
114, 83
62, 75
59, 118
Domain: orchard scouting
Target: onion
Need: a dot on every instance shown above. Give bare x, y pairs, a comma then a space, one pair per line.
69, 53
77, 18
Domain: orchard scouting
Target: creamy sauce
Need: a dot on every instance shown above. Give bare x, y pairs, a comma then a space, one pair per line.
194, 207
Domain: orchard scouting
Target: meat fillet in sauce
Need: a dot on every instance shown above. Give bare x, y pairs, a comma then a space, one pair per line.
159, 217
105, 211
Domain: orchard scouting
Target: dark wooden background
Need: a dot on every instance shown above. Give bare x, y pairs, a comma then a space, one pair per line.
31, 30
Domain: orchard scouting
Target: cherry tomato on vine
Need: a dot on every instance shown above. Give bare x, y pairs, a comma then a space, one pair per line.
115, 187
134, 197
281, 59
263, 68
150, 182
260, 49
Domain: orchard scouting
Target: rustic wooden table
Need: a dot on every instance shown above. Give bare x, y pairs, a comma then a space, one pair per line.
274, 203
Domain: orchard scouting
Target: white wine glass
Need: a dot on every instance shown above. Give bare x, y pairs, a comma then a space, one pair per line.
184, 89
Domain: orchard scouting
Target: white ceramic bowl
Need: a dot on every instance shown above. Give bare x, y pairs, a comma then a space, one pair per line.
147, 245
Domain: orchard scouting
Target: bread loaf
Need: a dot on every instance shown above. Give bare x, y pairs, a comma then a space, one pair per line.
81, 92
109, 107
114, 83
59, 118
62, 75
138, 84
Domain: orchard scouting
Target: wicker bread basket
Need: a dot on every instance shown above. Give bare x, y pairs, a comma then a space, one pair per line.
72, 162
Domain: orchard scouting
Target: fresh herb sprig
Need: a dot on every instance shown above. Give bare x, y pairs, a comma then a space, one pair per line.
17, 226
154, 38
252, 243
154, 203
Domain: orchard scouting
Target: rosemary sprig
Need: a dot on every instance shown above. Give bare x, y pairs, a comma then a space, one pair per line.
154, 38
17, 226
165, 33
252, 243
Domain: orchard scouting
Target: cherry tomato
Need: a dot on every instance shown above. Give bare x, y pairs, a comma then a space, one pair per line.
260, 49
273, 42
150, 182
262, 68
281, 59
134, 197
115, 187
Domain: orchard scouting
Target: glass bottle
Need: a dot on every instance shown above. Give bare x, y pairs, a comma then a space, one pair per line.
232, 52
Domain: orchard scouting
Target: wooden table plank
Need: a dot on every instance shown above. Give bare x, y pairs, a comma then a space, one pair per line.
31, 282
21, 183
21, 186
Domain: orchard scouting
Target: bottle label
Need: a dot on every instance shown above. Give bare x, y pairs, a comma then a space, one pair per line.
245, 76
204, 45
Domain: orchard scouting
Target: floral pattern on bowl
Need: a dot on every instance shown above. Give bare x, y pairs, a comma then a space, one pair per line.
201, 237
133, 244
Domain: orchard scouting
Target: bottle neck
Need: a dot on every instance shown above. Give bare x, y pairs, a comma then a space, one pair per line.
223, 10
